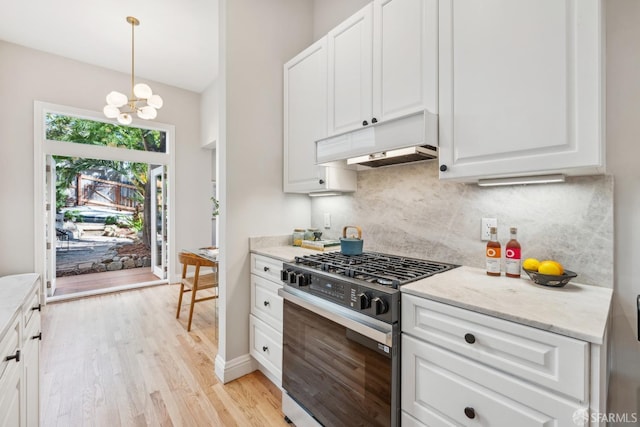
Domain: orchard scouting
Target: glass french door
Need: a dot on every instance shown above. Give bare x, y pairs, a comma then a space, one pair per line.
50, 224
158, 223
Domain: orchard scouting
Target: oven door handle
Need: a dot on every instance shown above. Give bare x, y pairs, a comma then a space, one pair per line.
360, 323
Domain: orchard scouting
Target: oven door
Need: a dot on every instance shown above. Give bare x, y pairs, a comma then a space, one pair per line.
341, 366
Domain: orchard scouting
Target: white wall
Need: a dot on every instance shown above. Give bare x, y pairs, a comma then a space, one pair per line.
27, 75
260, 37
329, 13
623, 158
209, 123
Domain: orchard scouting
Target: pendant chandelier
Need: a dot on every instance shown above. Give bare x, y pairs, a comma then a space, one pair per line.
142, 101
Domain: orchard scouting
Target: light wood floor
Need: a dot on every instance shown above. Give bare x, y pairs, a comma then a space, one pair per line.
108, 279
122, 359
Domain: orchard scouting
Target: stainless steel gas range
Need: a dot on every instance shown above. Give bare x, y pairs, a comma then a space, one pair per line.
341, 356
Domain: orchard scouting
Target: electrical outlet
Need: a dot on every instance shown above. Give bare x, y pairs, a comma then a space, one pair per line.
327, 220
485, 230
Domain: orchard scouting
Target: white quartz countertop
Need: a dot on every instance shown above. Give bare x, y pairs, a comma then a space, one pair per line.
575, 310
287, 253
14, 291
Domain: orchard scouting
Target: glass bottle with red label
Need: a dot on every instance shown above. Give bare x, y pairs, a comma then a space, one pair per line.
493, 254
513, 255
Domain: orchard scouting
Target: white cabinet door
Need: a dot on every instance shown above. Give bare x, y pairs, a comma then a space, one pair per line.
405, 57
350, 72
11, 381
266, 347
305, 121
10, 398
520, 87
32, 371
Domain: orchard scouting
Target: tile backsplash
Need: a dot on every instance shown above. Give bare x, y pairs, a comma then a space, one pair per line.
407, 210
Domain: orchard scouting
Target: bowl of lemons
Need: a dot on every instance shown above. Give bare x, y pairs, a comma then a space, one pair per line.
547, 272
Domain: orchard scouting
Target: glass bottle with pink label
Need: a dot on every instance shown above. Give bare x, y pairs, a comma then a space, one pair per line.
513, 255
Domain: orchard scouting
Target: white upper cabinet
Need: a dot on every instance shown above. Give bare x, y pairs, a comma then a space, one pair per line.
351, 72
405, 57
520, 88
382, 64
305, 121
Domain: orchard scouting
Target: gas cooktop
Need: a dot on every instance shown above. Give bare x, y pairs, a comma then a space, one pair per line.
373, 267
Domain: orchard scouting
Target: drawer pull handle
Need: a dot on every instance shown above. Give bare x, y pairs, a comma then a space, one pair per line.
37, 337
266, 303
37, 307
265, 348
469, 338
470, 412
15, 356
266, 269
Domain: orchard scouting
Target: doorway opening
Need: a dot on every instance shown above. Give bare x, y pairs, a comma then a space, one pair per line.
105, 191
109, 223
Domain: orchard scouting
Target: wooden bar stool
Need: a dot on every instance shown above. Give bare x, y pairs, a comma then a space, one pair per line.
196, 283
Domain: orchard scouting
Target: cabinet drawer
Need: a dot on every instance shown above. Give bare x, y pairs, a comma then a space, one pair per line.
31, 307
266, 267
554, 361
266, 304
9, 344
441, 388
266, 346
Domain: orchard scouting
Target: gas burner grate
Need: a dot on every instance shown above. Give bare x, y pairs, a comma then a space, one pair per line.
373, 267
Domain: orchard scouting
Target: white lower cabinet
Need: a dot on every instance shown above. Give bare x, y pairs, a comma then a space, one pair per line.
442, 388
265, 321
31, 345
20, 355
462, 368
266, 347
11, 378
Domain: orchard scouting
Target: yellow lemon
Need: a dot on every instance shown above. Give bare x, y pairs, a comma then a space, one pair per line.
551, 267
531, 264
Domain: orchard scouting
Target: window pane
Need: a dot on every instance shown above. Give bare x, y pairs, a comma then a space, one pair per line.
82, 131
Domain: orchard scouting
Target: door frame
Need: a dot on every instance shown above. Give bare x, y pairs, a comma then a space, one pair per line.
43, 147
158, 270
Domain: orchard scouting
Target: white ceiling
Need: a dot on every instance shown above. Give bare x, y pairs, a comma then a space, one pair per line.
176, 42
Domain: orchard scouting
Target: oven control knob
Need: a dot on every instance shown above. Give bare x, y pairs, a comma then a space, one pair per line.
379, 305
284, 275
363, 300
302, 279
293, 277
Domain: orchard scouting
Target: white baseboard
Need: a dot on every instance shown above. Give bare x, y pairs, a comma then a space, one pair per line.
227, 371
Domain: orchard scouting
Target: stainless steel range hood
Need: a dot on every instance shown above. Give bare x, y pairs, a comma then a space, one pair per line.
394, 157
406, 139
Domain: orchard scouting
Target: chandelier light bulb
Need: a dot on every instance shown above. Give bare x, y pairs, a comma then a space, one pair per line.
155, 101
111, 111
117, 99
125, 118
149, 112
142, 91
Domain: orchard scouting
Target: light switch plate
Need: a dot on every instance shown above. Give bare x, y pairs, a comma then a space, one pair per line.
327, 220
485, 230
